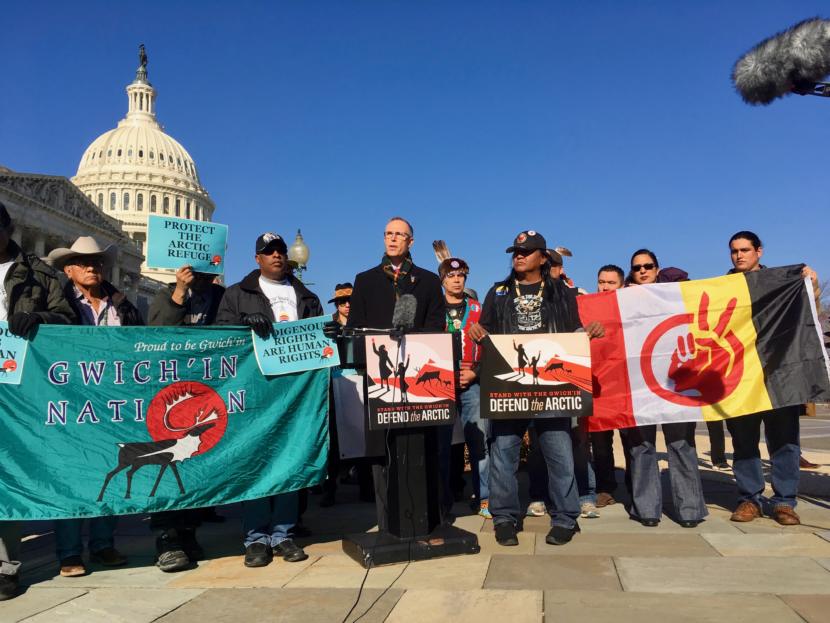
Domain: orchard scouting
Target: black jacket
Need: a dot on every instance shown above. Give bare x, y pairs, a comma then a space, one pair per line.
32, 286
128, 314
165, 312
498, 315
246, 297
373, 299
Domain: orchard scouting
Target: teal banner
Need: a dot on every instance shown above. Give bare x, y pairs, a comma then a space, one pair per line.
296, 346
120, 420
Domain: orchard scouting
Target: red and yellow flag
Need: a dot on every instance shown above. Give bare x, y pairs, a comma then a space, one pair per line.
705, 350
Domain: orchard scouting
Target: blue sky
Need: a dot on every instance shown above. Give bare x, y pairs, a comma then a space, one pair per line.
606, 128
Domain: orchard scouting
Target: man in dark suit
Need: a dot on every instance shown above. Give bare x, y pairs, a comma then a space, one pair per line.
378, 289
372, 305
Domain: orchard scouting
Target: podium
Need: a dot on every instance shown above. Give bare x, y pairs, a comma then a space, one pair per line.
407, 489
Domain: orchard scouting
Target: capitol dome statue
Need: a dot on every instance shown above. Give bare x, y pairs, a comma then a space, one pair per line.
136, 169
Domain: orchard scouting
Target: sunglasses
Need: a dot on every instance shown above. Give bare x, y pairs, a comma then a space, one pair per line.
637, 267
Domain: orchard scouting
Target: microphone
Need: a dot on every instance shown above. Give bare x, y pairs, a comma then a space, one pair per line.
793, 61
403, 316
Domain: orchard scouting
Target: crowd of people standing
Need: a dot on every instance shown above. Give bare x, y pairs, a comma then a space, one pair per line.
572, 472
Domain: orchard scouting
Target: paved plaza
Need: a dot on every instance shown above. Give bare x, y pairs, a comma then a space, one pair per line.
615, 570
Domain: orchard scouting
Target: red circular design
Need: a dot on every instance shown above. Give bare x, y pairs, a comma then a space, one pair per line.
180, 408
714, 384
217, 259
10, 365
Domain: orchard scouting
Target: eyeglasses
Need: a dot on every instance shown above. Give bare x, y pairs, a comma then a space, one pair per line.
396, 234
635, 268
88, 262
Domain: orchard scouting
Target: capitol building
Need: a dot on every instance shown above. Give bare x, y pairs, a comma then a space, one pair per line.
126, 174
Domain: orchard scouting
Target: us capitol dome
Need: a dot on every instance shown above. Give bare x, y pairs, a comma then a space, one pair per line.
136, 169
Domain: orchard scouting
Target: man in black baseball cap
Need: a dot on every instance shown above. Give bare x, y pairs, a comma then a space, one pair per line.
266, 295
529, 301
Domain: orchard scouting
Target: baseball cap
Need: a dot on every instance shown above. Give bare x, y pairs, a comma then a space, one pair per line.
269, 240
529, 240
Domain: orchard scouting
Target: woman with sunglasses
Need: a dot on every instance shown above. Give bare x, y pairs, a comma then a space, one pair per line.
642, 470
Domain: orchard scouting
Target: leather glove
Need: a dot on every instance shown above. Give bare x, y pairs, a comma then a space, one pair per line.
259, 323
21, 323
331, 330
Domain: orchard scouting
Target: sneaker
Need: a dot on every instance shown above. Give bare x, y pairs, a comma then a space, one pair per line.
559, 535
723, 466
484, 509
8, 586
109, 557
73, 567
536, 509
605, 499
290, 551
258, 555
506, 534
588, 510
172, 560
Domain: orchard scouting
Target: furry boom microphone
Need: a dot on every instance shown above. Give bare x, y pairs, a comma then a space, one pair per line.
794, 61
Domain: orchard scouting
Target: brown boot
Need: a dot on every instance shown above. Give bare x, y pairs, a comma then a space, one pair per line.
605, 499
785, 515
746, 511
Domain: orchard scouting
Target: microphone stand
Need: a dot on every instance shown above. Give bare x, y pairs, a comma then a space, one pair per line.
407, 488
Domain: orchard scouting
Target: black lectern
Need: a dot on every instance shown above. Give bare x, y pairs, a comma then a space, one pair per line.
407, 487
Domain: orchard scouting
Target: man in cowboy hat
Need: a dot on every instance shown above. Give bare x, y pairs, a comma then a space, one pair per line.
96, 302
29, 295
342, 300
192, 301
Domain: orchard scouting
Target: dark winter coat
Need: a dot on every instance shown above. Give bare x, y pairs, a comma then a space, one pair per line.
32, 286
128, 314
165, 312
246, 297
373, 299
498, 315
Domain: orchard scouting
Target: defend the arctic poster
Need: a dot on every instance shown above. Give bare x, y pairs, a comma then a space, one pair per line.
411, 382
537, 375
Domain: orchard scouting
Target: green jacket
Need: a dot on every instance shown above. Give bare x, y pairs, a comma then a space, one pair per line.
31, 286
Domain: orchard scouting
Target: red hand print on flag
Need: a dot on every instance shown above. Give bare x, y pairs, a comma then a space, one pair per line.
707, 362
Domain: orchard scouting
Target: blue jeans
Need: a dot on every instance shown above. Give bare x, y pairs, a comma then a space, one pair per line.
781, 428
68, 535
270, 520
554, 435
586, 481
644, 471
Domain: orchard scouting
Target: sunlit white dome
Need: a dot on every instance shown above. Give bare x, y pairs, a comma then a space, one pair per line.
136, 169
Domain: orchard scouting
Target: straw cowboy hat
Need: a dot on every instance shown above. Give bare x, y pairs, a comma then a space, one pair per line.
83, 246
